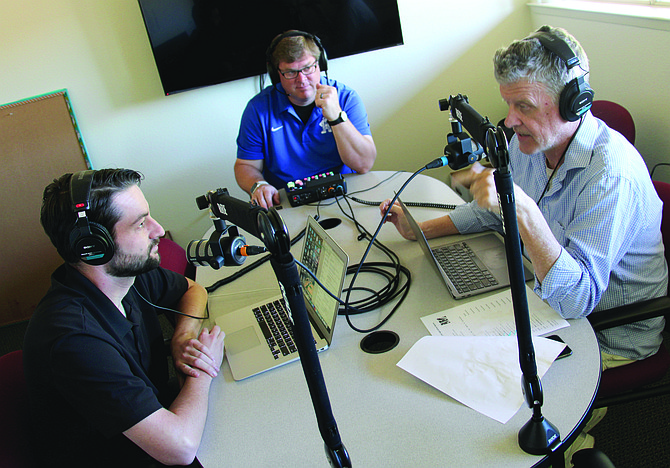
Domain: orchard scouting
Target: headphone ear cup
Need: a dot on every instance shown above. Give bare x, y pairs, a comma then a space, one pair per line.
576, 99
93, 248
272, 72
323, 57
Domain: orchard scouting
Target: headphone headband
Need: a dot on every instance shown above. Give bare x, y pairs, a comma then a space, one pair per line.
80, 190
560, 48
89, 241
577, 96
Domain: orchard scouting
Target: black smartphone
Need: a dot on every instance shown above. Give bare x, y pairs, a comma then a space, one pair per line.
566, 351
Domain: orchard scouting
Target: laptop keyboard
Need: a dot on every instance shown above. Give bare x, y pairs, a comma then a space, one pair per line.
277, 328
463, 268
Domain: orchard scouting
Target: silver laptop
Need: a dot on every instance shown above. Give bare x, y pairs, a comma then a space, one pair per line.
259, 336
468, 267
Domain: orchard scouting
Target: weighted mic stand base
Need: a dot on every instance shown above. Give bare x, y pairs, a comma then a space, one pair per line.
538, 436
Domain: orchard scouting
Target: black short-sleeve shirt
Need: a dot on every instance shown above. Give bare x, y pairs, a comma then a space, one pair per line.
93, 373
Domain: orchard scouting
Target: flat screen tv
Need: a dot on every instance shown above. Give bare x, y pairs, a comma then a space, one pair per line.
200, 43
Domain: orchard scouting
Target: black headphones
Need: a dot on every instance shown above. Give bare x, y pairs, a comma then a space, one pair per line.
89, 241
273, 73
576, 97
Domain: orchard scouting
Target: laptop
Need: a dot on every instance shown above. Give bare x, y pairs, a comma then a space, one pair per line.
259, 336
467, 267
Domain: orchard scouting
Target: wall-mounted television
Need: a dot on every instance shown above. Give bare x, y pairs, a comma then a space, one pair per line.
200, 43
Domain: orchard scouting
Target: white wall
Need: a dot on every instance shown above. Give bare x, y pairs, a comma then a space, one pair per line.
185, 144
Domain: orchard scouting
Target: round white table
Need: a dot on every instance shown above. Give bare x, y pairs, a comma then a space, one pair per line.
386, 417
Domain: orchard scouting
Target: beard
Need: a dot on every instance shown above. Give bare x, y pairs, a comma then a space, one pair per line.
124, 265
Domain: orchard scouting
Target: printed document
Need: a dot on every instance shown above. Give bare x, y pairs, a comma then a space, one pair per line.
493, 316
473, 354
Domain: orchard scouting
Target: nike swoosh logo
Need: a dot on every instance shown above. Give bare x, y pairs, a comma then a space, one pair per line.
274, 129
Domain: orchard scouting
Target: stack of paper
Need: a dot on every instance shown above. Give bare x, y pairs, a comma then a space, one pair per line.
473, 354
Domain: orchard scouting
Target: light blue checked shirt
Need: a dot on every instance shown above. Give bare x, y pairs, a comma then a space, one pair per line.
603, 209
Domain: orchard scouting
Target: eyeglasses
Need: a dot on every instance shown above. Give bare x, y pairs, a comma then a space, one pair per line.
291, 74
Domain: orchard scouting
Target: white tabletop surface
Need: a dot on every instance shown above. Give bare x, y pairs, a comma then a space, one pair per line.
386, 417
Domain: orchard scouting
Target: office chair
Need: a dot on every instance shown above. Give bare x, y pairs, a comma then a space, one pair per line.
616, 117
14, 451
633, 381
173, 257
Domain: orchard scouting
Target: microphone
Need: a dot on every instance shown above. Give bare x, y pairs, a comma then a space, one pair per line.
218, 251
280, 90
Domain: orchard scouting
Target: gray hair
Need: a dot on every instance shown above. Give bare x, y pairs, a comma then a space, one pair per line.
527, 59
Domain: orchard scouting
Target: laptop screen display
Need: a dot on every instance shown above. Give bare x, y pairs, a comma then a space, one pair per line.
322, 259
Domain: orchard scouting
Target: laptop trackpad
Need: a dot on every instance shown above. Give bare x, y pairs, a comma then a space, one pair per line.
241, 340
495, 259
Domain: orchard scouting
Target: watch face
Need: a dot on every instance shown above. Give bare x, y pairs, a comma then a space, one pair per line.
341, 118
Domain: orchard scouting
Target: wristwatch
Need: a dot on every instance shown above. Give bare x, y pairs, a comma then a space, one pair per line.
342, 118
258, 184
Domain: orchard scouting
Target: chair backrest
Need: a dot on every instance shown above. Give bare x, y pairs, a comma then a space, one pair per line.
663, 190
173, 257
13, 412
616, 117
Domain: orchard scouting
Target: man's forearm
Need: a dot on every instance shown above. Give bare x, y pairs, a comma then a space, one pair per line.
356, 150
540, 243
172, 436
193, 303
246, 175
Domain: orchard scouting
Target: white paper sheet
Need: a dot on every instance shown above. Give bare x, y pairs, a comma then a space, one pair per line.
493, 316
480, 372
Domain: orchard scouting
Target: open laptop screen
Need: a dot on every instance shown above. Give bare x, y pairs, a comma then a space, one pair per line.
326, 260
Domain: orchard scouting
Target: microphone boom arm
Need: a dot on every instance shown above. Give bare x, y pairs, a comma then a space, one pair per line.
269, 227
538, 436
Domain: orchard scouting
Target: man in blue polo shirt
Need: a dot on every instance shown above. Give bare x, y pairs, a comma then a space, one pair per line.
302, 125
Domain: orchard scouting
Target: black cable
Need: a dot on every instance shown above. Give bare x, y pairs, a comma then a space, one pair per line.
558, 164
395, 174
441, 206
331, 201
311, 273
394, 288
173, 310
